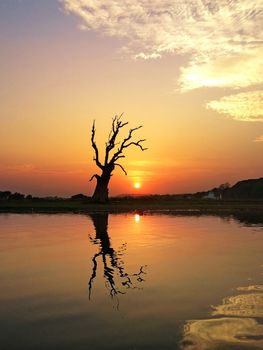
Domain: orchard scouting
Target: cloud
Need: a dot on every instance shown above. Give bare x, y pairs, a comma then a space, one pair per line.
246, 106
222, 39
147, 56
202, 28
259, 139
232, 71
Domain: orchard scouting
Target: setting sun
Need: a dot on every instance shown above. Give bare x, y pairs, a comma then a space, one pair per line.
137, 185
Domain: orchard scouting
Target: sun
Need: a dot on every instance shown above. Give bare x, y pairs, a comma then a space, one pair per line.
137, 185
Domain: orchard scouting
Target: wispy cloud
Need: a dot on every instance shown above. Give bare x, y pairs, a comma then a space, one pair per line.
259, 139
232, 71
221, 38
246, 106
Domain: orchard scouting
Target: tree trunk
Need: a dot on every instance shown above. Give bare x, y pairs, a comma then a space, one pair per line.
101, 193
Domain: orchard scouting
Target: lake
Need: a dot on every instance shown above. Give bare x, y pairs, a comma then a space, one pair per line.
130, 281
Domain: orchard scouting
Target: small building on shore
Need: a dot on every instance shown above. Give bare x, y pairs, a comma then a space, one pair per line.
213, 194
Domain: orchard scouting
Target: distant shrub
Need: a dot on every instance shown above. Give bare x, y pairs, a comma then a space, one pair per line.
17, 196
4, 195
79, 196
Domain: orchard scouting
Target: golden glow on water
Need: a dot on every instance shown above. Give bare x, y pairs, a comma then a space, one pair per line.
223, 333
137, 218
243, 305
237, 324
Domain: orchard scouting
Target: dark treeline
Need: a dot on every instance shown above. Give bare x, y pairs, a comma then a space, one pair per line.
9, 196
243, 190
251, 189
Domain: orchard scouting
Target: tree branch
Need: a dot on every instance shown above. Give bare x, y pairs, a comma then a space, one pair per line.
96, 158
125, 144
137, 143
117, 124
122, 168
95, 175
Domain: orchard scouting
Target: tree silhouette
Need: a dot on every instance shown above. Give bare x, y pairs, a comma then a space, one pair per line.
101, 193
116, 278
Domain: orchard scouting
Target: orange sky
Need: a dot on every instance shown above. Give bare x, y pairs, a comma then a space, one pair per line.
195, 87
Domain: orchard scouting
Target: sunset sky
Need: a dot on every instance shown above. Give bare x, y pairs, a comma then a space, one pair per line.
189, 71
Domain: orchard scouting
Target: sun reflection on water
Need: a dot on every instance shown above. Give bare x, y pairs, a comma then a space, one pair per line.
137, 218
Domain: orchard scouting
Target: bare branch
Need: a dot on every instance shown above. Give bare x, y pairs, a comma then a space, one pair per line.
96, 158
125, 144
95, 175
137, 143
122, 168
117, 124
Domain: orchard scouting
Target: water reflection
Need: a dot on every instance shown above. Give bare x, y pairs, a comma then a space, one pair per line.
238, 324
117, 279
223, 333
243, 305
250, 219
195, 261
137, 218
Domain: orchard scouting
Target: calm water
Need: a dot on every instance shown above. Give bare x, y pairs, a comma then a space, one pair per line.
130, 282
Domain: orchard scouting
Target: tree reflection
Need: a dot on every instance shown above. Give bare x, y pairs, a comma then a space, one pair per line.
113, 265
249, 219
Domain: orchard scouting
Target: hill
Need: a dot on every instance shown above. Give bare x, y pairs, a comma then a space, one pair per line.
245, 189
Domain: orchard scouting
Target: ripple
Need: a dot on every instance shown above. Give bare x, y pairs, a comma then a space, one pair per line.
243, 305
224, 333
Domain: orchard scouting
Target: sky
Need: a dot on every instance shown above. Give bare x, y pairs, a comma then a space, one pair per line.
190, 72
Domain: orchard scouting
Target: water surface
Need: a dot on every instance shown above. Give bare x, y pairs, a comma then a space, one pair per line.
130, 282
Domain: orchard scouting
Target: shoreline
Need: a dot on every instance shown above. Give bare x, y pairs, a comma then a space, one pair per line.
187, 207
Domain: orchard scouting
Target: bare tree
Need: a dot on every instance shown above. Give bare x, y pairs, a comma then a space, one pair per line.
114, 151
